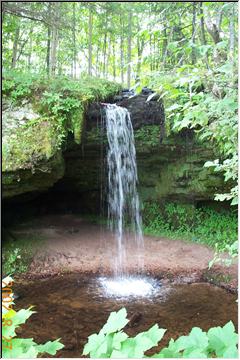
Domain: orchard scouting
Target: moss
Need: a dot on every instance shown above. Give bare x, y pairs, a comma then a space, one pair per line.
31, 154
25, 180
77, 125
30, 144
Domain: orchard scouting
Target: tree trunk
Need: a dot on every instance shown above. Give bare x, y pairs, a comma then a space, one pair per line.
48, 49
193, 33
129, 53
90, 25
15, 47
74, 42
104, 54
97, 61
122, 52
164, 46
114, 60
203, 35
231, 35
54, 39
30, 49
140, 46
53, 51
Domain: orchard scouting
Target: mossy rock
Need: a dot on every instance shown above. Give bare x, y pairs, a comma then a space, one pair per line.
38, 115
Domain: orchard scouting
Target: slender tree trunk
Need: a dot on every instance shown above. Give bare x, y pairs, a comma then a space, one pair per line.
108, 58
48, 49
90, 25
104, 54
15, 47
140, 46
97, 61
129, 53
231, 35
114, 60
203, 34
55, 38
151, 53
193, 32
30, 49
74, 42
164, 46
53, 51
122, 51
48, 40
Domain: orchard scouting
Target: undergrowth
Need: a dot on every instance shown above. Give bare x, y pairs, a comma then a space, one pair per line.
17, 254
203, 225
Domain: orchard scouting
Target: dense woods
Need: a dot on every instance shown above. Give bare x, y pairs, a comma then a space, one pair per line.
118, 40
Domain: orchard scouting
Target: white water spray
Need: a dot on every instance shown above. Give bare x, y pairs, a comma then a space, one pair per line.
123, 200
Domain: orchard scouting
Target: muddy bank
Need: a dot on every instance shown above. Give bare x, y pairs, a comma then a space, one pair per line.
73, 244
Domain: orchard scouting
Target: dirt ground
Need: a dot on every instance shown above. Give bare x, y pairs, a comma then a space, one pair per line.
73, 244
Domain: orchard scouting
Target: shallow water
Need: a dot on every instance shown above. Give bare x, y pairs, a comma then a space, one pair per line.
75, 306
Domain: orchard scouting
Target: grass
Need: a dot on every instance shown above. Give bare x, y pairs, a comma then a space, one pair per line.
204, 225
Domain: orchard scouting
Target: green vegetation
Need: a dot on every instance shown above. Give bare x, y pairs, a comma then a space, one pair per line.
203, 225
17, 255
112, 342
59, 107
148, 135
13, 346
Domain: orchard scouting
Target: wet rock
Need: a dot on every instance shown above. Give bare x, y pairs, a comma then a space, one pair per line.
134, 319
142, 112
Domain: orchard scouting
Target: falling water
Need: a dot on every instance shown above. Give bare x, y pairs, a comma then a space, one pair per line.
123, 200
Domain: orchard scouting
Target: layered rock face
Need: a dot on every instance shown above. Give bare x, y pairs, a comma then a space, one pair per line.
169, 168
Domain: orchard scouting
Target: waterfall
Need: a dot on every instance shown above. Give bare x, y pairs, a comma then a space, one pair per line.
123, 200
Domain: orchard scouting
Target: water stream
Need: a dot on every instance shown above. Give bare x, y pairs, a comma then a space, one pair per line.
123, 200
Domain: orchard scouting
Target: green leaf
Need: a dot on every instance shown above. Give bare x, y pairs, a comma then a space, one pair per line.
116, 321
197, 339
220, 339
231, 353
50, 347
118, 338
146, 340
170, 352
195, 354
94, 342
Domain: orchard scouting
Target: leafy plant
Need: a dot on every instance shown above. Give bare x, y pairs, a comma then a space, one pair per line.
232, 251
14, 347
112, 342
12, 261
147, 135
203, 225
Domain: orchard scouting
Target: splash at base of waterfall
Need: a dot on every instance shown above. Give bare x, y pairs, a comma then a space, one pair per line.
129, 286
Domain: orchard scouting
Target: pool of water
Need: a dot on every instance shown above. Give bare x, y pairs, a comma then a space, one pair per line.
74, 306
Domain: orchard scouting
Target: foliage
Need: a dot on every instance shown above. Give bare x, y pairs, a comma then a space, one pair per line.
147, 135
17, 254
203, 225
12, 261
14, 347
232, 251
206, 101
112, 342
60, 104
